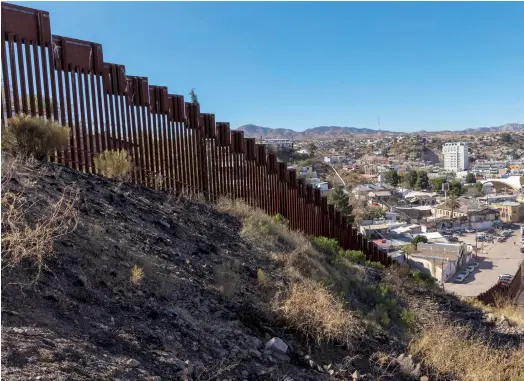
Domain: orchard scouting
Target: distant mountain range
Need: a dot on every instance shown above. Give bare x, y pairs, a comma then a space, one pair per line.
254, 131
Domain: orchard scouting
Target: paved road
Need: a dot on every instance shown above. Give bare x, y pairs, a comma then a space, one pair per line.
495, 259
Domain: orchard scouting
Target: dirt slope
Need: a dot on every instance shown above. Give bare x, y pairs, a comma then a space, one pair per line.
191, 317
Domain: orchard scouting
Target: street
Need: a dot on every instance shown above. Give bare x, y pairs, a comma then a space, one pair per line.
494, 259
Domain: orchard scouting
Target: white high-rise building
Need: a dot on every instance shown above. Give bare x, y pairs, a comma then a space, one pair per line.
455, 156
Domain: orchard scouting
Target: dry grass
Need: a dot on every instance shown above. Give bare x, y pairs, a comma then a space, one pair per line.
27, 136
454, 353
137, 274
114, 165
310, 308
263, 230
292, 250
502, 307
30, 224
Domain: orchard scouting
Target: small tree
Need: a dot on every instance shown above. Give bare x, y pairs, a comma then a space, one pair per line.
410, 179
470, 178
408, 250
436, 184
475, 190
456, 188
420, 238
311, 148
194, 97
392, 177
422, 180
453, 203
340, 199
373, 213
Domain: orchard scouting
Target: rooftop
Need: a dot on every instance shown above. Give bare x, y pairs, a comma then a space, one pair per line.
506, 203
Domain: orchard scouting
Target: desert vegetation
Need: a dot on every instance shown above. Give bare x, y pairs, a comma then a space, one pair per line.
115, 165
27, 136
31, 226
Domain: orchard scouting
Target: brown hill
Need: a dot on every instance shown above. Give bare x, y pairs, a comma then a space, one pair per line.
324, 132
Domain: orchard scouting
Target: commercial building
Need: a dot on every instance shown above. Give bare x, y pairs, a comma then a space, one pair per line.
455, 156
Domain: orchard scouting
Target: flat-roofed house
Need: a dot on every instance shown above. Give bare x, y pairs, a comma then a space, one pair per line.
439, 260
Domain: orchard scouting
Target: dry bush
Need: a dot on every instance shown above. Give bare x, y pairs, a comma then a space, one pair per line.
454, 352
503, 307
27, 136
30, 224
237, 208
226, 279
137, 274
310, 308
114, 165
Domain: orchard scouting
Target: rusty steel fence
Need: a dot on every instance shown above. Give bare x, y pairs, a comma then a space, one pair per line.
173, 146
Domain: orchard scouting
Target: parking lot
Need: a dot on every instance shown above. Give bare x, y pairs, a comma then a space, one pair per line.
494, 259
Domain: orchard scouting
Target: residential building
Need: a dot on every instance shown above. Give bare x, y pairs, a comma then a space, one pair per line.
378, 228
414, 214
510, 211
367, 191
455, 156
470, 214
439, 260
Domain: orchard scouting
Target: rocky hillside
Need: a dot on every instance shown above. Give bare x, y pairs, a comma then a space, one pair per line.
103, 281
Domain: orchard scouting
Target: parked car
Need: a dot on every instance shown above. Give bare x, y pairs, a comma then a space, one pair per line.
460, 277
470, 268
452, 239
475, 264
470, 230
501, 239
505, 279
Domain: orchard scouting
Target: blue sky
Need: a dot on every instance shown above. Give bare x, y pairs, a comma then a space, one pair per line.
299, 65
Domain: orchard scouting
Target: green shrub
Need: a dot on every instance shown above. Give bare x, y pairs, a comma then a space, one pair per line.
375, 265
423, 277
380, 314
407, 318
27, 136
326, 245
354, 256
114, 165
280, 219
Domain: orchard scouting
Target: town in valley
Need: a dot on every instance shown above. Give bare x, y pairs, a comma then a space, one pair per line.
449, 204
